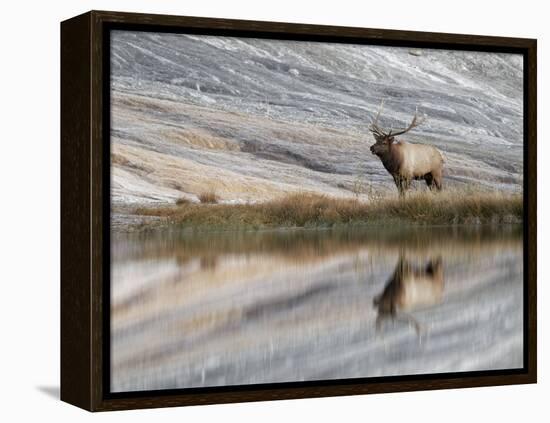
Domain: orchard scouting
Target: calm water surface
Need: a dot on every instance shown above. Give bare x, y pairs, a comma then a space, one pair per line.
232, 308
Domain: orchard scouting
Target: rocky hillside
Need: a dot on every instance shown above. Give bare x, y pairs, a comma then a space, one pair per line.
251, 119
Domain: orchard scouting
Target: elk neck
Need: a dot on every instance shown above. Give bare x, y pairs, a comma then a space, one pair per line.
392, 158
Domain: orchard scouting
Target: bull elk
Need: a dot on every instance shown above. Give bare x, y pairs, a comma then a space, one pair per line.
404, 161
410, 288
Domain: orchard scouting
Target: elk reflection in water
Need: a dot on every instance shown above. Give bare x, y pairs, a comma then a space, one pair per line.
216, 309
410, 288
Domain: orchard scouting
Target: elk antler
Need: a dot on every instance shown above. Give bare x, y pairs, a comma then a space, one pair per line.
414, 123
374, 124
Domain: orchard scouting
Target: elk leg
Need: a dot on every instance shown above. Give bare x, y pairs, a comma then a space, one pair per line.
378, 324
405, 185
399, 184
438, 181
428, 177
401, 190
409, 319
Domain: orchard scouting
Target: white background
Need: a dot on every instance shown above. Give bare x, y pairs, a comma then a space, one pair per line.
29, 236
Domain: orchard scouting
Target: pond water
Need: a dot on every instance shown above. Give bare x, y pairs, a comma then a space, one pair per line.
233, 308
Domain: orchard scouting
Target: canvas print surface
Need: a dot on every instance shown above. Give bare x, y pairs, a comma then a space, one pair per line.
287, 211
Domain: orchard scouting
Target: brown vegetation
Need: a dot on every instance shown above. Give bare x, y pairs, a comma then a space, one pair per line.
310, 210
208, 197
182, 200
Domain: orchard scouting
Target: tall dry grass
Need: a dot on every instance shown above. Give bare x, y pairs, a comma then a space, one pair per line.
449, 207
208, 197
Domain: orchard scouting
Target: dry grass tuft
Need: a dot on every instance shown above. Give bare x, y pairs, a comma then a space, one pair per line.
208, 197
182, 201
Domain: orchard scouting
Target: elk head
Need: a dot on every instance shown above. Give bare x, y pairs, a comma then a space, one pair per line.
385, 138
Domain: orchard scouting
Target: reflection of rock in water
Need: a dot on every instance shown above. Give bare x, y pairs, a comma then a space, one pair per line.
240, 308
410, 288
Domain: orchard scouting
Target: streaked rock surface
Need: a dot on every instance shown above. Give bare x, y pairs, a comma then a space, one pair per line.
251, 119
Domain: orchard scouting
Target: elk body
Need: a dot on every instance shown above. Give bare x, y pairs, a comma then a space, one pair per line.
410, 288
404, 161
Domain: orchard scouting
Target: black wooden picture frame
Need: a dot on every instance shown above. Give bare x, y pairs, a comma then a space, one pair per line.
85, 191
